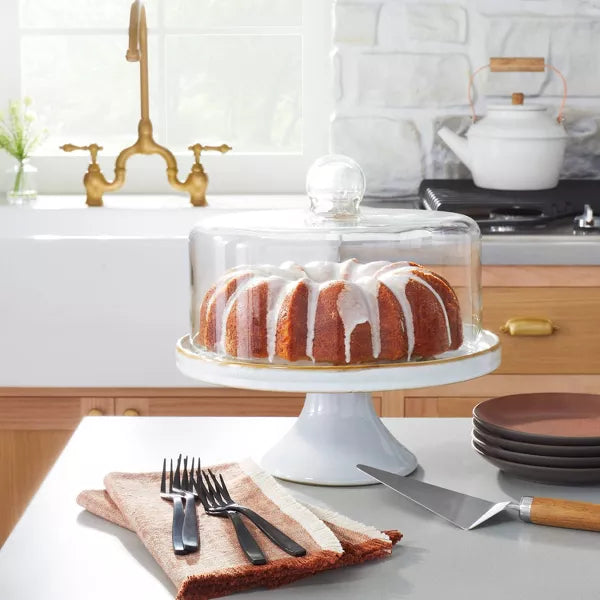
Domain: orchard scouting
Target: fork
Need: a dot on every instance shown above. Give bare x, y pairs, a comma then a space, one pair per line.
225, 502
178, 514
183, 485
208, 498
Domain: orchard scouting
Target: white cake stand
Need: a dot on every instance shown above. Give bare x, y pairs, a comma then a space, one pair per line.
338, 427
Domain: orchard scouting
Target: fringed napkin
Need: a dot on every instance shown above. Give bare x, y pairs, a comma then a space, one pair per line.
220, 567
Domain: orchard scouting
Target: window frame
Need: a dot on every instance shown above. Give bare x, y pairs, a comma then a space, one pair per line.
230, 174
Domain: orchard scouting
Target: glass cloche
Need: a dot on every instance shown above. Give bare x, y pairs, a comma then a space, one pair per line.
335, 284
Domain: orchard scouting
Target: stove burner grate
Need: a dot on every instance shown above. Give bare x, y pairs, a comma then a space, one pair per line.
515, 213
498, 211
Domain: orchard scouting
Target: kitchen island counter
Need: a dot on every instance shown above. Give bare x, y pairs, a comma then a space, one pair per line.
60, 552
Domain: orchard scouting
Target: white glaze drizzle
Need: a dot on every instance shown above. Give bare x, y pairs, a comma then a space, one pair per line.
278, 291
368, 287
395, 281
231, 302
353, 310
314, 289
357, 302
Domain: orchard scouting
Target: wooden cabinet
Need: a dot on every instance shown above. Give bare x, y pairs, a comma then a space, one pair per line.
572, 349
567, 360
33, 432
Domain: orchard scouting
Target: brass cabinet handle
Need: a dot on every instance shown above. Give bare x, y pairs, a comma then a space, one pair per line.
95, 412
131, 412
536, 326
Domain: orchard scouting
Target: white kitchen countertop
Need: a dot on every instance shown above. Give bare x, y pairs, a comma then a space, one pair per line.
172, 217
59, 552
97, 297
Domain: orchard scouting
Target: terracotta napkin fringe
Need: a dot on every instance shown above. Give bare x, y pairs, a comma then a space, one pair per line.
333, 540
271, 575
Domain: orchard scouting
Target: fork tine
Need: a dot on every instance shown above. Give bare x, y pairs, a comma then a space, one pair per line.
171, 478
177, 478
215, 496
202, 492
190, 485
163, 478
184, 479
224, 491
218, 487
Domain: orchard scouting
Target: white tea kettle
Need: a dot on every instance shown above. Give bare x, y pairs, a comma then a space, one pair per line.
517, 147
514, 147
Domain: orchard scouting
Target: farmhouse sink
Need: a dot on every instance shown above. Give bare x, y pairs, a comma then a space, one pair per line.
95, 297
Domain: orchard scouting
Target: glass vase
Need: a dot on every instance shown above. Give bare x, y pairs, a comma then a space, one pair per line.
21, 187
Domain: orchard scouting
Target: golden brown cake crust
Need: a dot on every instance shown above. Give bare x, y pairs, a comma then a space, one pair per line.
270, 313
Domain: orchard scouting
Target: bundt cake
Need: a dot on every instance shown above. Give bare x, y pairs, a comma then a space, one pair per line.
326, 312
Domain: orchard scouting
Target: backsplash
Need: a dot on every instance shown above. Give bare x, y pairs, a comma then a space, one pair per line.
402, 67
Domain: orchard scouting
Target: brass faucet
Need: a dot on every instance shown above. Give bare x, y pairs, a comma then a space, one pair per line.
94, 181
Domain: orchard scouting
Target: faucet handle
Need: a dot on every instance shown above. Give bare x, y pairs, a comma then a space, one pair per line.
92, 148
198, 148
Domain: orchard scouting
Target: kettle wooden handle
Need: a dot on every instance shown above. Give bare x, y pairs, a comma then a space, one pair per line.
562, 513
526, 64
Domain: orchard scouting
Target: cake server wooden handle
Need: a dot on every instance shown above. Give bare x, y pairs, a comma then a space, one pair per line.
560, 513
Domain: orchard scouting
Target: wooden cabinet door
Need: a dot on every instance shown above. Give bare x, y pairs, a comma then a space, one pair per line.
33, 432
440, 406
213, 403
573, 348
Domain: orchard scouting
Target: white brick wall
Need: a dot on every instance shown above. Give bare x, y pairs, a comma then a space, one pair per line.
401, 70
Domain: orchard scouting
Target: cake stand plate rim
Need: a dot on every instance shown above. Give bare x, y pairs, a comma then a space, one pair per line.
483, 360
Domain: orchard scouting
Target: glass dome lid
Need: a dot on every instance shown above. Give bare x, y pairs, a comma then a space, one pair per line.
335, 284
335, 186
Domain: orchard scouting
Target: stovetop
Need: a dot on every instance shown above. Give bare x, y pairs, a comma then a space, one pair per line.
567, 209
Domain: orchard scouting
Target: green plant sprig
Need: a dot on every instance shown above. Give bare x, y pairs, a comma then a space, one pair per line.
18, 135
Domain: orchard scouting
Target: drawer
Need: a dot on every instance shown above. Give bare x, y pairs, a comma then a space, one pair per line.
574, 348
441, 406
212, 405
56, 413
216, 402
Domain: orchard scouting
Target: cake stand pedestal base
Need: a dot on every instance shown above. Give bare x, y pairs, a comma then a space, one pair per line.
333, 434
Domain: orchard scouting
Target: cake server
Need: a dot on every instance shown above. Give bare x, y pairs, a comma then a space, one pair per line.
468, 512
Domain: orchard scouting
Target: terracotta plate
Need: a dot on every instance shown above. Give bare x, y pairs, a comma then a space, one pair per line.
548, 418
556, 475
530, 448
534, 459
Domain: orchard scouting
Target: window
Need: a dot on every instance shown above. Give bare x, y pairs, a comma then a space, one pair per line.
252, 73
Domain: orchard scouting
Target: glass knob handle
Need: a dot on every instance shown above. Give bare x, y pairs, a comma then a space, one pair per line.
95, 412
335, 185
131, 412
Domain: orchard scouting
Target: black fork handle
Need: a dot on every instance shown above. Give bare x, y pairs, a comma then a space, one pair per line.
177, 526
273, 533
247, 542
189, 530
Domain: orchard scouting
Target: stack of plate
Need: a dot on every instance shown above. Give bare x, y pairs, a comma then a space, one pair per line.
550, 438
